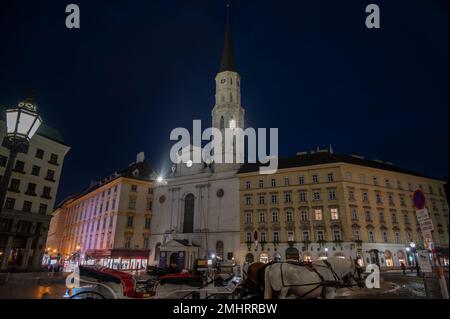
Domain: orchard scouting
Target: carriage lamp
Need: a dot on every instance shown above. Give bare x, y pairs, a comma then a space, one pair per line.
412, 245
326, 249
22, 122
408, 249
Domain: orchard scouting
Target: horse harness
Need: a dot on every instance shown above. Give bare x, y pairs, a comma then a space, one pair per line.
337, 282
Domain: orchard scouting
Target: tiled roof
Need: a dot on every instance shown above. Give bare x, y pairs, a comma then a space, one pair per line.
317, 158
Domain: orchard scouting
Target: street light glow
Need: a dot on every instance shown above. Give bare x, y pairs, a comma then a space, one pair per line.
159, 179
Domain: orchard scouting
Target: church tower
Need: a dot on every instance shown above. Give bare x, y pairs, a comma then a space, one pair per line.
228, 112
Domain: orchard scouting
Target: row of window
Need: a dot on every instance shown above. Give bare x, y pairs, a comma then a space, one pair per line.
10, 203
287, 182
320, 236
348, 176
39, 154
289, 215
14, 186
303, 197
336, 236
134, 188
132, 203
102, 224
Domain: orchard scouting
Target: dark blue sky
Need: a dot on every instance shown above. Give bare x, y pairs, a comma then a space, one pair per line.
137, 69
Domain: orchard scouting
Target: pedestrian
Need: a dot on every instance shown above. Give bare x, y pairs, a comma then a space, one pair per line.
403, 267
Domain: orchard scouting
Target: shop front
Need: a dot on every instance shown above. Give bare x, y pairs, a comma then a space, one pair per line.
120, 259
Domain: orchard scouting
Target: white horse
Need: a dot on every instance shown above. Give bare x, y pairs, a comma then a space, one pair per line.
301, 281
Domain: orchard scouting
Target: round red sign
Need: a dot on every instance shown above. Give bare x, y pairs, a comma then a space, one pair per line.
419, 199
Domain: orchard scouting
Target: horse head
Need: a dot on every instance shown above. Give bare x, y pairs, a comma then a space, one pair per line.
354, 276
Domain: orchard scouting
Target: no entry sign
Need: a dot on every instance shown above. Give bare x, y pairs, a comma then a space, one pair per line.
419, 199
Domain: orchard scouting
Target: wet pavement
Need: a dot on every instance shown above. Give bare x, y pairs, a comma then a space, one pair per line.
395, 285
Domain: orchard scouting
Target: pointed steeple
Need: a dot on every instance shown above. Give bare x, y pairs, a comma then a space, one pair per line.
228, 62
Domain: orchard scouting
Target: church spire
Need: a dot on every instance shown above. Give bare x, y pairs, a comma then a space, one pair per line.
228, 62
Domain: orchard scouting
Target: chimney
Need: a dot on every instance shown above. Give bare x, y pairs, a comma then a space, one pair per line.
140, 157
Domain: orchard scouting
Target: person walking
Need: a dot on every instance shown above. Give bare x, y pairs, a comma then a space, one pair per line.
402, 264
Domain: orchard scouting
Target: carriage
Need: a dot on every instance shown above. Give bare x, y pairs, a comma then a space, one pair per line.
104, 283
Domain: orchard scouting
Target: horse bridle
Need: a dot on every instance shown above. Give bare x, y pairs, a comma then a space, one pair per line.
358, 278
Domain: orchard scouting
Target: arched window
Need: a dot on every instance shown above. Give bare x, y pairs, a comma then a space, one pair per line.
157, 252
219, 249
222, 123
188, 223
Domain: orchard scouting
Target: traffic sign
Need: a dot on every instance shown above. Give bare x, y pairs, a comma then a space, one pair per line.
424, 261
419, 199
422, 214
426, 225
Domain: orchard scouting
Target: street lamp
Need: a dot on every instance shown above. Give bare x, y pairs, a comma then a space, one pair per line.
22, 122
413, 247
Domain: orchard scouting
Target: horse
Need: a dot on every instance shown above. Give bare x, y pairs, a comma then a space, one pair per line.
320, 279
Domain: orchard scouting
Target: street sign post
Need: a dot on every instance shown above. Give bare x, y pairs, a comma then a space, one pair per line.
422, 214
419, 199
426, 227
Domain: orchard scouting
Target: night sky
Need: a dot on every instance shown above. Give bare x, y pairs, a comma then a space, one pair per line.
137, 69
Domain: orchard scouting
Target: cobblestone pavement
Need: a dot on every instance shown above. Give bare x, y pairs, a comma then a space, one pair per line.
394, 285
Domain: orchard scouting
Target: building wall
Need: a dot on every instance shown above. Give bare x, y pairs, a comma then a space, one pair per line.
97, 220
26, 215
216, 218
344, 179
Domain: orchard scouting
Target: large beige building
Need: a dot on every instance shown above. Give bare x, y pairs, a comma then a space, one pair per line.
109, 223
321, 204
29, 202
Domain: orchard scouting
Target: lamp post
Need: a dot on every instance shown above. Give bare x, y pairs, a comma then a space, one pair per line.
413, 247
407, 253
22, 122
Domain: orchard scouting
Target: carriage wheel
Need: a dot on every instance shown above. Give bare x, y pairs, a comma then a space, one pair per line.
87, 295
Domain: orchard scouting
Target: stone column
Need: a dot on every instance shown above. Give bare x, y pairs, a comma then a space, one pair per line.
7, 253
26, 255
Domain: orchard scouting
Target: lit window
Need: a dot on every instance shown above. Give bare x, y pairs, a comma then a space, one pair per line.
334, 213
318, 214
